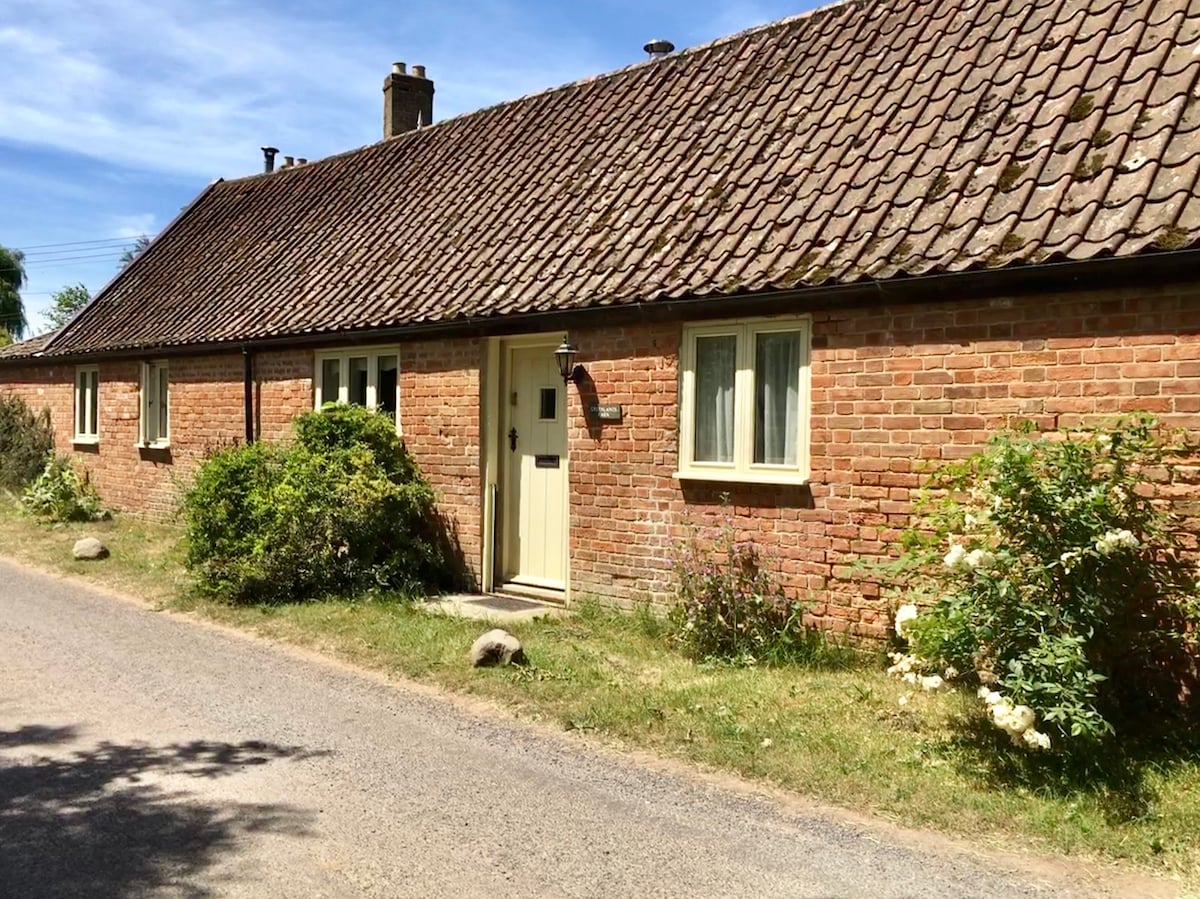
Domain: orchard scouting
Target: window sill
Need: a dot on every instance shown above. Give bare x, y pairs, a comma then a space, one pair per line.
156, 445
85, 441
743, 477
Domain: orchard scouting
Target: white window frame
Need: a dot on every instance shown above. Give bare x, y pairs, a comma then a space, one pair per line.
343, 357
743, 469
87, 401
148, 431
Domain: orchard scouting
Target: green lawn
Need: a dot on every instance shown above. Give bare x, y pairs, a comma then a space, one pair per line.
838, 736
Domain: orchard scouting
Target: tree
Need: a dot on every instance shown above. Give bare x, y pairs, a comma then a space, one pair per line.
12, 279
134, 251
67, 302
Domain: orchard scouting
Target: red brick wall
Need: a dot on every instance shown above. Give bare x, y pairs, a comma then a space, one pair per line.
893, 389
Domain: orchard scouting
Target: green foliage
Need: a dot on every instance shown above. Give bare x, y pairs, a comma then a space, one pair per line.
67, 302
26, 439
60, 494
134, 250
5, 337
12, 279
341, 511
1050, 570
730, 608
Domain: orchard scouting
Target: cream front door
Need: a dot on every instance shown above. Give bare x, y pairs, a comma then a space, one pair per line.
534, 447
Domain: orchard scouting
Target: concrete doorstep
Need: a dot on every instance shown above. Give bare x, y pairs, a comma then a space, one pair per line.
494, 607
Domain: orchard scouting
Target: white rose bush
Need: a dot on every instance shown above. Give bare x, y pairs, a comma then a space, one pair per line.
1044, 573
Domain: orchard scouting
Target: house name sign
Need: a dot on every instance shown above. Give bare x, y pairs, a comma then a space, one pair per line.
605, 413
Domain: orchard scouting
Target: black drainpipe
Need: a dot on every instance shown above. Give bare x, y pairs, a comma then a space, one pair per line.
248, 385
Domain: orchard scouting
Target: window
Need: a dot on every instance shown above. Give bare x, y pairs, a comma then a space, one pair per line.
744, 401
87, 404
364, 377
155, 420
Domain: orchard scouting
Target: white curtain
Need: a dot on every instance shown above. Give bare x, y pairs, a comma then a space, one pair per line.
777, 397
716, 366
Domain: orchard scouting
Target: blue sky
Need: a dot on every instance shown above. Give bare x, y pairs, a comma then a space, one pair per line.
114, 115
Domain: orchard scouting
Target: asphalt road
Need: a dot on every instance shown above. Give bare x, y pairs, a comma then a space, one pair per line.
142, 754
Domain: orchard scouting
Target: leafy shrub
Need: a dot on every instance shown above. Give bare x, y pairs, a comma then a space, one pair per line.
60, 494
340, 511
729, 607
26, 439
1053, 575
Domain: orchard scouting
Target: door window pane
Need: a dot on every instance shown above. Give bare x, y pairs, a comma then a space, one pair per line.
548, 404
358, 380
385, 385
776, 397
330, 378
716, 359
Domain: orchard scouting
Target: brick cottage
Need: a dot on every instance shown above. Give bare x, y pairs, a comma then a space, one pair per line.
797, 265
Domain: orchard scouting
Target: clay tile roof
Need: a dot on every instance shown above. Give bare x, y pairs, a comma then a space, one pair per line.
27, 348
866, 140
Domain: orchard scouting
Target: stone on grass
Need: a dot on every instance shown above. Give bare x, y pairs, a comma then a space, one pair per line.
497, 647
89, 548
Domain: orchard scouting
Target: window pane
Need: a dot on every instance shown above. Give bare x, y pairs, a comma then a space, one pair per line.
385, 385
776, 397
330, 377
93, 404
548, 404
716, 360
81, 380
162, 403
358, 380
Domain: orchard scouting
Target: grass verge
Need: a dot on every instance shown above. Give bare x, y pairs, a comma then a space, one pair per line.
839, 736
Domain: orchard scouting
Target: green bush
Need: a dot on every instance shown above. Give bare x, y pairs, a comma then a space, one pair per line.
60, 494
729, 607
26, 440
340, 511
1051, 575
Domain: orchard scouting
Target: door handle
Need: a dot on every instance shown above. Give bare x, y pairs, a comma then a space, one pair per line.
512, 439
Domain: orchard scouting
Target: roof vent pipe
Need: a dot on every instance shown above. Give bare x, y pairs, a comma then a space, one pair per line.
269, 158
657, 49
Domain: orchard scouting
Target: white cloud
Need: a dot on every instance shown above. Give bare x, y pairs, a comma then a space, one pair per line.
133, 226
195, 88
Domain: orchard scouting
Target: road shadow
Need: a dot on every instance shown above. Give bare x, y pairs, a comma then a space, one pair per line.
99, 823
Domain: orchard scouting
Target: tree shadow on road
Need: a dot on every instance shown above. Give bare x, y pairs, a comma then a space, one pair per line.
102, 821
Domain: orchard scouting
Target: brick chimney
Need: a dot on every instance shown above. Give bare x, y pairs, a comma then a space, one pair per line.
407, 100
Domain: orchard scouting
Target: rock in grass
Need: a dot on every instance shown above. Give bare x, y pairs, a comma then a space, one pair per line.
497, 647
89, 549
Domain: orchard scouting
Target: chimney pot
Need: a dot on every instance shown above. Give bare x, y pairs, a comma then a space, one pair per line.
407, 100
301, 160
288, 162
269, 158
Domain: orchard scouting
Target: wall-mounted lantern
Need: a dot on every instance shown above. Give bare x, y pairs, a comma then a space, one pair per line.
565, 357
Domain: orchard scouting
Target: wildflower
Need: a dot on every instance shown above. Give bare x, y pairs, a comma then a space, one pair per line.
978, 558
950, 673
954, 559
903, 700
766, 743
932, 682
910, 678
1104, 441
904, 614
1069, 558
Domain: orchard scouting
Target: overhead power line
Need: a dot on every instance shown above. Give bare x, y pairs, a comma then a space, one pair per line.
78, 243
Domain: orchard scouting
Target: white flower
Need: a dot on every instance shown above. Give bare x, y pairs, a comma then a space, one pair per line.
932, 682
1023, 718
954, 559
1035, 739
766, 743
951, 672
1068, 559
1114, 540
909, 678
903, 700
904, 614
1104, 441
978, 558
